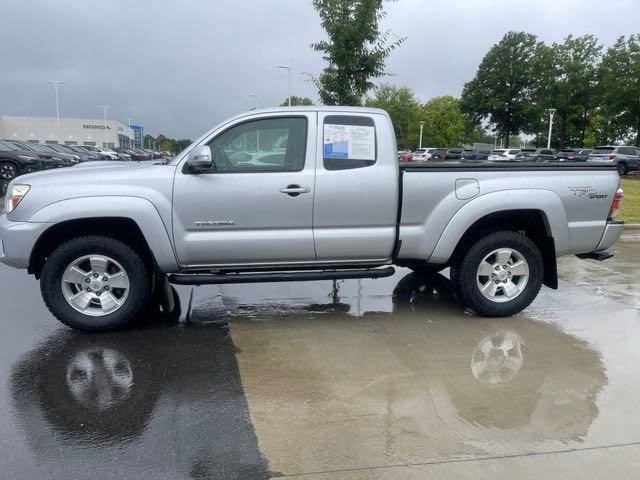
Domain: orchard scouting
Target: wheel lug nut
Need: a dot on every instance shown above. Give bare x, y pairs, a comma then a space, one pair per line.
95, 275
88, 289
87, 280
105, 279
504, 266
106, 289
497, 282
98, 293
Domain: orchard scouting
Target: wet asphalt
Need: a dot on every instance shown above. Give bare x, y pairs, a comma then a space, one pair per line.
356, 379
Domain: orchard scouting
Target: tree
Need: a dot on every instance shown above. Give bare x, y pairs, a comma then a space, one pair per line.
505, 86
445, 125
295, 101
619, 76
356, 49
404, 110
573, 74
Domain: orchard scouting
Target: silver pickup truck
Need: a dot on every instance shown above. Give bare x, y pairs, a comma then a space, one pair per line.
300, 194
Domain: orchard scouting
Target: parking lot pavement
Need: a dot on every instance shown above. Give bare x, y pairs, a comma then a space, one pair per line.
319, 381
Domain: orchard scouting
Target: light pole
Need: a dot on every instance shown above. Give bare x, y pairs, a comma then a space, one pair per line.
288, 69
421, 128
56, 84
552, 112
104, 110
255, 100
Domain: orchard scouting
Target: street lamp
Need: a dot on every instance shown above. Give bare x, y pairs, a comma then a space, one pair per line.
104, 110
288, 69
255, 100
552, 112
56, 84
421, 128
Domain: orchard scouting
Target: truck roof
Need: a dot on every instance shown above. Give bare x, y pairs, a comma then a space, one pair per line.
315, 108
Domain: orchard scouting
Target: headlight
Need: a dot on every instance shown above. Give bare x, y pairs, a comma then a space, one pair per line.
26, 157
15, 194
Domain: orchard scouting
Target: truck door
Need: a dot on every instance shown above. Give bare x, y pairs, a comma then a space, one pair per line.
255, 205
356, 194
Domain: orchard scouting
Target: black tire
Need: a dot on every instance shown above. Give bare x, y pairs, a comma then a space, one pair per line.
8, 170
623, 169
139, 276
465, 270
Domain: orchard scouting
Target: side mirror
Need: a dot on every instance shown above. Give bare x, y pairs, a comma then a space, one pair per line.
200, 159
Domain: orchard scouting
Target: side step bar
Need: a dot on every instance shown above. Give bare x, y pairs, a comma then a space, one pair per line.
217, 279
600, 256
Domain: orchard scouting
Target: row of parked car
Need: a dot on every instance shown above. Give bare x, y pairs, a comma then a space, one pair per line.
17, 157
626, 158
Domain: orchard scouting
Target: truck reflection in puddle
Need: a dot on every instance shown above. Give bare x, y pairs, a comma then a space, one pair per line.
173, 395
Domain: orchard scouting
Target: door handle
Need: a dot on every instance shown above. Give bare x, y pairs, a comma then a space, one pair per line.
294, 190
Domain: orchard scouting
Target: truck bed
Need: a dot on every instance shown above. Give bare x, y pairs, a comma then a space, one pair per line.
475, 165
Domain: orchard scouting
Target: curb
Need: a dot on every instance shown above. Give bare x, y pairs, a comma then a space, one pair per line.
632, 227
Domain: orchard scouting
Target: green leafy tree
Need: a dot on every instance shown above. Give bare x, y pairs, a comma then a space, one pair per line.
619, 76
404, 110
356, 49
445, 124
506, 84
297, 101
573, 79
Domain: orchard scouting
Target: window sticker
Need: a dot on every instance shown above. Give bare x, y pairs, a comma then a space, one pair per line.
351, 142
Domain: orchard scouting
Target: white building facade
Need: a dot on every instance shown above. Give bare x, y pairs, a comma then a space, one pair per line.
71, 131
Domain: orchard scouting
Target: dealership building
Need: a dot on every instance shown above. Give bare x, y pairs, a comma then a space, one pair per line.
71, 131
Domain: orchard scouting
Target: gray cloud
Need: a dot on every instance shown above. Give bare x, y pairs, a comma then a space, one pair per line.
179, 67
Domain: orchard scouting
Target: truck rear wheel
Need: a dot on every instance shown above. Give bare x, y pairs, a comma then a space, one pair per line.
500, 275
95, 283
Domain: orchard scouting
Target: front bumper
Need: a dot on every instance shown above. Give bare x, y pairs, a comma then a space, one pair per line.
611, 234
17, 240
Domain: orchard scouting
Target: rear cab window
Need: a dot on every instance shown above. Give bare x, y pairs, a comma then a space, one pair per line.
349, 142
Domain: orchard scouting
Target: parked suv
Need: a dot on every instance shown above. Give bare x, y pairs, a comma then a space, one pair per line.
627, 158
537, 155
14, 162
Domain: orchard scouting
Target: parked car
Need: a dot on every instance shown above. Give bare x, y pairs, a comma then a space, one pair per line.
96, 235
537, 155
439, 154
406, 157
504, 154
424, 154
626, 158
75, 157
583, 155
48, 158
98, 151
14, 162
85, 155
469, 154
497, 154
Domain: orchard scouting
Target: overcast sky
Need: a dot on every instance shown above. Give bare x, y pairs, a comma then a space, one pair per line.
181, 66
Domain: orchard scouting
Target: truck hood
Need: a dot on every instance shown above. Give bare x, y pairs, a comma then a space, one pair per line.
152, 181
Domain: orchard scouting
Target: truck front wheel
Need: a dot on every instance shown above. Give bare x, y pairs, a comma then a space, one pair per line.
500, 275
95, 283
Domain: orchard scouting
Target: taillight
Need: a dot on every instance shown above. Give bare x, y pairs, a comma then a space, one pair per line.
612, 156
617, 203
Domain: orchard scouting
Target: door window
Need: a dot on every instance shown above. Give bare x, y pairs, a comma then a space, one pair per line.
349, 141
266, 145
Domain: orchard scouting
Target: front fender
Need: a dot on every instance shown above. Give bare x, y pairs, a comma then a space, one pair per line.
140, 210
546, 201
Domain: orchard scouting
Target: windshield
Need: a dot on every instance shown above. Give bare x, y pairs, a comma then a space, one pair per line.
7, 146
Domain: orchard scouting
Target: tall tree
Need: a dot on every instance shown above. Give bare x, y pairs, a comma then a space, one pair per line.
573, 76
505, 86
356, 49
295, 101
619, 76
445, 125
404, 110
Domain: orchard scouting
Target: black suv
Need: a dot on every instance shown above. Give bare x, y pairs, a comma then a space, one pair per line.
14, 161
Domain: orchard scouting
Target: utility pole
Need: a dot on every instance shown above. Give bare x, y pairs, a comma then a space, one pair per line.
421, 129
56, 84
288, 69
104, 110
552, 112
